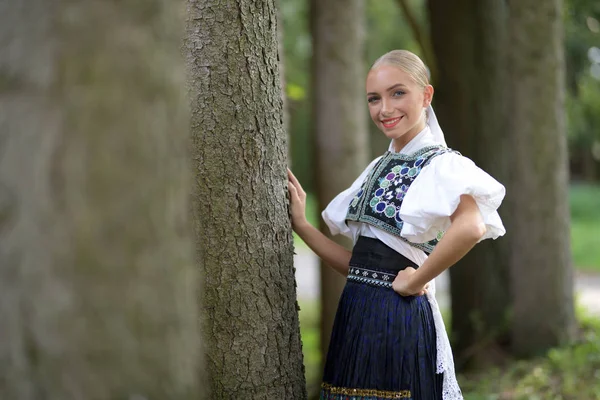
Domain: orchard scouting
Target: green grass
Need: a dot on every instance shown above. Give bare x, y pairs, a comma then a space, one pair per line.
585, 226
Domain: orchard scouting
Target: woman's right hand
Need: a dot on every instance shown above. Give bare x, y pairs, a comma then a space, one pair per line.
297, 201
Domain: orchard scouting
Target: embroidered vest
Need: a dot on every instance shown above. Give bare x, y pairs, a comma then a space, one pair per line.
380, 197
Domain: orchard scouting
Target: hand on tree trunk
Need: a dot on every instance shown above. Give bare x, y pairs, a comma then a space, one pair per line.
297, 201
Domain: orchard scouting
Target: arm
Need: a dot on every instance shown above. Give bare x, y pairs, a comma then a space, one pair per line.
466, 228
328, 250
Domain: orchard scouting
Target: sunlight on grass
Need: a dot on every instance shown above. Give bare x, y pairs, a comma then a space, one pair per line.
585, 226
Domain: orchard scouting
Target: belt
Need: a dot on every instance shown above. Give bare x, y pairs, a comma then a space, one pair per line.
371, 277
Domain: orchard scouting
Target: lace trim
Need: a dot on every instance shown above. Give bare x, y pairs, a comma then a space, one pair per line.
383, 394
445, 361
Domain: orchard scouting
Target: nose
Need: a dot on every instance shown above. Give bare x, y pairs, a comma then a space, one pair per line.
386, 108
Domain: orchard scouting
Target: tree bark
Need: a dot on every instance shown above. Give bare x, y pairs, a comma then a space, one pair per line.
470, 99
541, 266
97, 286
339, 114
244, 240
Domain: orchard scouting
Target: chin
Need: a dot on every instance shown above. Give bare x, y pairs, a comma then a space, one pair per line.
393, 134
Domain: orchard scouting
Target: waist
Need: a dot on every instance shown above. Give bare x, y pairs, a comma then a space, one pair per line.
373, 254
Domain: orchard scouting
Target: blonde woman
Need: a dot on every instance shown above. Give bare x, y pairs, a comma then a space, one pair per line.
414, 212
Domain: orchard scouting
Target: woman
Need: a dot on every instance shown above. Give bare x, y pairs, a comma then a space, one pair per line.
411, 214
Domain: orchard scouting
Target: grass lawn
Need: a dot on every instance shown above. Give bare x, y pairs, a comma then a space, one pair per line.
585, 226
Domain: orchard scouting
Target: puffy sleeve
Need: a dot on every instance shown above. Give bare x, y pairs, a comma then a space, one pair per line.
334, 214
434, 196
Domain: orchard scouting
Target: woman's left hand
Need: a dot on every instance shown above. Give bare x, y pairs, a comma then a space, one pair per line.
401, 284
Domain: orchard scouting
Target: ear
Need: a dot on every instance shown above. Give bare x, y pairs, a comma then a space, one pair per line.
427, 95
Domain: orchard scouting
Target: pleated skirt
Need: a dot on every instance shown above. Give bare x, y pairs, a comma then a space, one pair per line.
383, 345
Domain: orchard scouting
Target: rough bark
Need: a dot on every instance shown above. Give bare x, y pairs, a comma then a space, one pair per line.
97, 286
470, 100
244, 239
541, 266
339, 114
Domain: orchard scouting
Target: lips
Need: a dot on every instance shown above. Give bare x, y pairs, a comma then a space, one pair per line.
391, 122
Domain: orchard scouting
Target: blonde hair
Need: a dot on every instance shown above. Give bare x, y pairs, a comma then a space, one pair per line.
407, 62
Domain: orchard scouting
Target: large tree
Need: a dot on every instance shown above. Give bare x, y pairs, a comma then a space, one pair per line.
339, 119
97, 286
470, 99
244, 240
541, 267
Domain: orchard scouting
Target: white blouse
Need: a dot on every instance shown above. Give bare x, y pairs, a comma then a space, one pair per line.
426, 209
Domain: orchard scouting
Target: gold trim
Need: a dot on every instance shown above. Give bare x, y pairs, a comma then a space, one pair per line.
386, 394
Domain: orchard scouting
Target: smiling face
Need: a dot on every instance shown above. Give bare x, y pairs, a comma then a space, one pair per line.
396, 103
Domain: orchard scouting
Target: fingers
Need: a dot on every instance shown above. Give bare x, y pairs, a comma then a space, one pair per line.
293, 191
294, 180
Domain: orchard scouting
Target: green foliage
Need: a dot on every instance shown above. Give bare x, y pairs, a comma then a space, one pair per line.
582, 32
585, 226
569, 372
387, 29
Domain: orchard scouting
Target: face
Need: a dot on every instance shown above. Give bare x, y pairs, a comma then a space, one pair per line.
396, 103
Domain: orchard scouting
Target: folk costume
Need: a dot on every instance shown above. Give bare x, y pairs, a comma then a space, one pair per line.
383, 345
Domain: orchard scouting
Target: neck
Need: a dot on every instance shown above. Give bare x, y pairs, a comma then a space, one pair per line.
402, 141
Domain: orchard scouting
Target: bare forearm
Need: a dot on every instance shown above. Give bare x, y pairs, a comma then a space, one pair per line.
466, 229
329, 251
455, 244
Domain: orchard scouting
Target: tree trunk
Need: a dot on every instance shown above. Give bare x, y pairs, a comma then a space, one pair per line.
97, 287
339, 115
244, 239
541, 267
468, 38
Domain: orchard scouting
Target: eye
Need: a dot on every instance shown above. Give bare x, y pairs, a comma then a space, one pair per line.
399, 93
372, 99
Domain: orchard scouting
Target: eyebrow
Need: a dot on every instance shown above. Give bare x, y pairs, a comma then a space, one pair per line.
397, 85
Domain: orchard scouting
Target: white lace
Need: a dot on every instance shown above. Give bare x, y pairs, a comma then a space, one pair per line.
445, 360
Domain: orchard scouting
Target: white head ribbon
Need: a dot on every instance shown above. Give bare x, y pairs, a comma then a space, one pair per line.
434, 128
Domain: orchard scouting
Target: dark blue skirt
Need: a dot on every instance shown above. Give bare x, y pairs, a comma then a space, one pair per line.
383, 345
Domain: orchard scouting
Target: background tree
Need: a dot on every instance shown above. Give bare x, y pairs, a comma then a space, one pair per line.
469, 41
339, 118
542, 276
97, 287
244, 239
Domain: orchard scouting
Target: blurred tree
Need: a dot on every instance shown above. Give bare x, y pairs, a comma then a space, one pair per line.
418, 32
97, 286
541, 271
296, 53
582, 26
470, 98
339, 118
244, 241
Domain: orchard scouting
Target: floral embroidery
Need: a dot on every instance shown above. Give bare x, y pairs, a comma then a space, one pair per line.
380, 197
